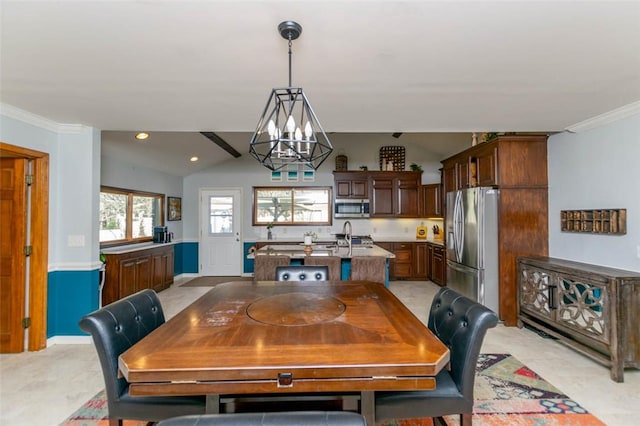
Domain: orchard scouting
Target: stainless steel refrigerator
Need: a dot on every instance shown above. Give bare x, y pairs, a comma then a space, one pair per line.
472, 244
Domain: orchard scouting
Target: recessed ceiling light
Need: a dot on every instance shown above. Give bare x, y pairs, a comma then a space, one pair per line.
142, 136
193, 159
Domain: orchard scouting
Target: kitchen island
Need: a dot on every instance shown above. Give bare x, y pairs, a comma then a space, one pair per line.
297, 254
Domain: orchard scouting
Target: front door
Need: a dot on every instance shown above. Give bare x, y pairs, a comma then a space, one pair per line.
13, 238
220, 245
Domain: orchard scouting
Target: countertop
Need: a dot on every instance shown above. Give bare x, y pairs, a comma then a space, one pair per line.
132, 247
381, 239
297, 251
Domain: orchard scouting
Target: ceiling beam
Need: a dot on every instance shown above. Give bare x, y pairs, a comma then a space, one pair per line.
221, 143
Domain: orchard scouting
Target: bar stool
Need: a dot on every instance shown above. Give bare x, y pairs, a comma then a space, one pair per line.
333, 262
264, 266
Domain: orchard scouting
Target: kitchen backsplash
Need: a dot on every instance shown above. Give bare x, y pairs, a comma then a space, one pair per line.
382, 229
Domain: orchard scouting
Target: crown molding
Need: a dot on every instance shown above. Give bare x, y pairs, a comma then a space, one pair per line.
39, 121
606, 118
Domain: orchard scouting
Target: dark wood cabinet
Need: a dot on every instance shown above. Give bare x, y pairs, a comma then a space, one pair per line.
432, 200
353, 184
395, 194
593, 309
421, 261
403, 263
517, 165
162, 276
438, 264
129, 272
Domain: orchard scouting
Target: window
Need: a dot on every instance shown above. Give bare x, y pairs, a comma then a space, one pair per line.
220, 215
129, 216
292, 205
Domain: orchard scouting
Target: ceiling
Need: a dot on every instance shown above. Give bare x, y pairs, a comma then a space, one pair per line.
175, 68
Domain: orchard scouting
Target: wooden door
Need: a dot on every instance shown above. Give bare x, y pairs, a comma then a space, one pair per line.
13, 226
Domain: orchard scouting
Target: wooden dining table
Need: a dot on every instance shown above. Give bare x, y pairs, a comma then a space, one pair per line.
270, 337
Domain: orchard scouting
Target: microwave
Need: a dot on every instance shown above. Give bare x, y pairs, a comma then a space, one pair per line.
353, 208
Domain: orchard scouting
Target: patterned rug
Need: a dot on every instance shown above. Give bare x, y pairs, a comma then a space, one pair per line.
507, 393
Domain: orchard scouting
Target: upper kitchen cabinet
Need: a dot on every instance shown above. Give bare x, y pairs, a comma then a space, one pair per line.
432, 200
353, 184
395, 194
506, 161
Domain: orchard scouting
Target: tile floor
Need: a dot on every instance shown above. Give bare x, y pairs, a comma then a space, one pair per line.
44, 388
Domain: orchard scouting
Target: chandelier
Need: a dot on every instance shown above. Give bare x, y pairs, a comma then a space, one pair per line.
288, 131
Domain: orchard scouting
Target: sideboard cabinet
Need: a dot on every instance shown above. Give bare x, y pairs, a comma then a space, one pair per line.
129, 272
593, 309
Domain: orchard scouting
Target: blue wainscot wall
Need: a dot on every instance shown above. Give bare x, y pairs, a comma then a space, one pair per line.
70, 295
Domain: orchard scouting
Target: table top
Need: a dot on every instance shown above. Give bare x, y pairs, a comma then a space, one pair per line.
268, 336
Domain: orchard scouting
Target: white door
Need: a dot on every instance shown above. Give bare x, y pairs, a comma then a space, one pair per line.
220, 251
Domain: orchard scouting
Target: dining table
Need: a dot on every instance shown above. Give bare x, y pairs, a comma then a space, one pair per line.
271, 337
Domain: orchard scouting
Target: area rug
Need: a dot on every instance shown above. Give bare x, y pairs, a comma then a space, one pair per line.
507, 393
212, 281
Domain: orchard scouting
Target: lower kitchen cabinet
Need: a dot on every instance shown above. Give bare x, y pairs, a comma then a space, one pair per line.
437, 264
416, 261
129, 272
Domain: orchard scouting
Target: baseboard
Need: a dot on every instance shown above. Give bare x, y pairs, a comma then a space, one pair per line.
69, 340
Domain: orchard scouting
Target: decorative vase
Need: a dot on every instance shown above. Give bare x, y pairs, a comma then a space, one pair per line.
269, 235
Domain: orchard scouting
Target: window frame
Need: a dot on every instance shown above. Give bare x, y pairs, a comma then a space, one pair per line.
254, 208
130, 193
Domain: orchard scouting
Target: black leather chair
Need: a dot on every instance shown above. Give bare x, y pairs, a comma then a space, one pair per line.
302, 273
301, 418
115, 328
461, 324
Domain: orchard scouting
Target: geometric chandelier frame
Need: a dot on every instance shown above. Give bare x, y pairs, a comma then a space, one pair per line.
288, 131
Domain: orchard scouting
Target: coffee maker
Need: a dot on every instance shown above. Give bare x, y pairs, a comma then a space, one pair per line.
161, 235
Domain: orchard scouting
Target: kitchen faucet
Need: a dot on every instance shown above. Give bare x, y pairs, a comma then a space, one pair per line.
347, 233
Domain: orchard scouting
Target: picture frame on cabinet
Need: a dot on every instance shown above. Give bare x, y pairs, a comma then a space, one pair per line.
174, 208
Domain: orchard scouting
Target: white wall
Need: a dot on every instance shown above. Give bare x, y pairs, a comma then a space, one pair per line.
120, 174
74, 168
596, 169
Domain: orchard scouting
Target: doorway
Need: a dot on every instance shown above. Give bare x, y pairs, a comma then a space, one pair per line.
24, 241
220, 247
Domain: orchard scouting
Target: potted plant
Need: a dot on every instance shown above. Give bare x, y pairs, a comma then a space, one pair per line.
309, 238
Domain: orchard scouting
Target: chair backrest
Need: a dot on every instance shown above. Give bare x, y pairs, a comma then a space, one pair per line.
118, 326
264, 266
285, 418
369, 268
461, 324
333, 262
302, 273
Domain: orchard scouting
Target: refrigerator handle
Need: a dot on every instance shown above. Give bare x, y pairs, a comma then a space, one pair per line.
459, 226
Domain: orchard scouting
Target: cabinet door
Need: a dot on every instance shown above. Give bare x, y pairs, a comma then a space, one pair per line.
534, 291
343, 188
430, 262
438, 265
168, 272
420, 261
463, 174
143, 272
128, 277
487, 166
159, 265
408, 187
359, 189
449, 177
582, 305
403, 266
432, 199
382, 195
